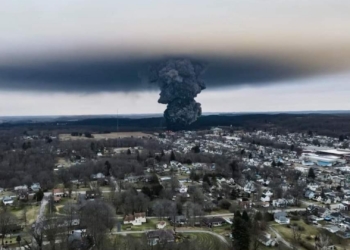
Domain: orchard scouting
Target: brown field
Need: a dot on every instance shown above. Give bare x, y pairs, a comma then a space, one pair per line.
114, 135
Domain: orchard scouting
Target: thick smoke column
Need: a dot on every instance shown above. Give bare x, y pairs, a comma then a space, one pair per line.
179, 83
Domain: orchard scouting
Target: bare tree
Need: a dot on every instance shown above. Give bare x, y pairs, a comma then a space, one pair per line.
323, 242
24, 216
51, 230
297, 192
296, 237
37, 238
7, 220
98, 217
193, 212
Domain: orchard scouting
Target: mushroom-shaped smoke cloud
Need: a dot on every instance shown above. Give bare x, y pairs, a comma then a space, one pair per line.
179, 82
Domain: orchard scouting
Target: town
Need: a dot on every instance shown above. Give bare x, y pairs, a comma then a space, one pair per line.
208, 189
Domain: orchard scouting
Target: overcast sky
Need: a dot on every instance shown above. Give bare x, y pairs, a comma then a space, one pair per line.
73, 57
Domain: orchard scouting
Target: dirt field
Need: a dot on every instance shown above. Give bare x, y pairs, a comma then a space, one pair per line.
114, 135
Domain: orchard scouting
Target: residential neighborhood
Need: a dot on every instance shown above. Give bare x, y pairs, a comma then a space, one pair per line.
178, 185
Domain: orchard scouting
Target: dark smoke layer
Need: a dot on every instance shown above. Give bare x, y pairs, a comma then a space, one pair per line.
179, 82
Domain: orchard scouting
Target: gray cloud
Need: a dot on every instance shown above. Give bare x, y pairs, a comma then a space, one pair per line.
126, 75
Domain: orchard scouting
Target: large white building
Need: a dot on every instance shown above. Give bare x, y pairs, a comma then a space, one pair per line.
325, 157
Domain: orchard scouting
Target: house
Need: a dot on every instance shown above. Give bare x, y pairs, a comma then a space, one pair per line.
317, 198
264, 204
320, 211
35, 187
133, 179
267, 240
313, 186
136, 220
58, 193
267, 192
265, 198
344, 234
347, 222
160, 236
57, 199
19, 188
217, 131
336, 217
213, 221
97, 176
331, 228
92, 194
161, 225
23, 195
249, 187
184, 169
280, 203
345, 205
8, 201
281, 218
313, 219
183, 190
309, 194
180, 220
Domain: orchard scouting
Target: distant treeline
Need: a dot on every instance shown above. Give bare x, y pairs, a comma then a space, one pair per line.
323, 124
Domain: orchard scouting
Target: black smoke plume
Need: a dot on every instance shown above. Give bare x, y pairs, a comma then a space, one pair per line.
179, 82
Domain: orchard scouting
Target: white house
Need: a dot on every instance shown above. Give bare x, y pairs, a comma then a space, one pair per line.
313, 186
281, 218
267, 240
280, 203
267, 192
97, 176
161, 225
249, 187
136, 220
184, 169
35, 187
183, 190
8, 201
265, 198
20, 188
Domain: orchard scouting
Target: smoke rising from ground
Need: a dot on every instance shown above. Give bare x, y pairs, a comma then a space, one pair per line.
179, 82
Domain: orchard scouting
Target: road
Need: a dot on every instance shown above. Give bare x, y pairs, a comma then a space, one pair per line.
179, 230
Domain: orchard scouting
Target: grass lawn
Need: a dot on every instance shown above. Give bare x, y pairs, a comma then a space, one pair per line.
11, 241
81, 188
59, 206
287, 233
206, 241
8, 193
32, 213
105, 188
225, 229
